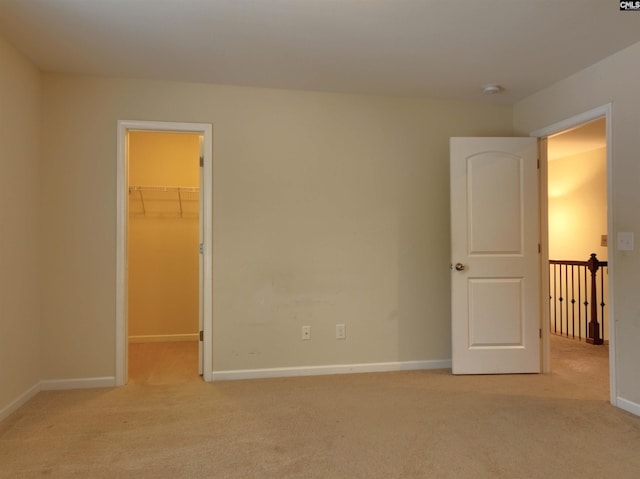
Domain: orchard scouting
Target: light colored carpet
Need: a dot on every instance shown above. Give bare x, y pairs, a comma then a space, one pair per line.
419, 424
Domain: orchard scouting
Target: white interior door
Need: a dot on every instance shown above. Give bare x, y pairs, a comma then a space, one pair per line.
495, 275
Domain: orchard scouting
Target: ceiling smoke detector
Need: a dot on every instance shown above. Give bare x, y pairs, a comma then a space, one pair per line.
492, 89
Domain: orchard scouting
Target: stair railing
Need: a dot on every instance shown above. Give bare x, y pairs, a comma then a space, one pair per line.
576, 299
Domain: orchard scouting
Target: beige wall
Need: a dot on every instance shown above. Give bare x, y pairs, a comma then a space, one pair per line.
578, 205
20, 90
163, 238
328, 209
578, 217
613, 80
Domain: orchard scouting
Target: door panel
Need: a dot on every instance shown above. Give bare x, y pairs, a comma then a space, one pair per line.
494, 198
495, 312
495, 236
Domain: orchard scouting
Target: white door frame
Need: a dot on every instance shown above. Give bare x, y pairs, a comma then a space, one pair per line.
206, 130
604, 111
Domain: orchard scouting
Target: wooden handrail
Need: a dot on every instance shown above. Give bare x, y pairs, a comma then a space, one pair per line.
593, 328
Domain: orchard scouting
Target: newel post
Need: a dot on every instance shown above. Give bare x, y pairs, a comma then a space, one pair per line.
593, 336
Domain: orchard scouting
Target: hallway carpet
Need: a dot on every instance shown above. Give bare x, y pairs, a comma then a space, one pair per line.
418, 424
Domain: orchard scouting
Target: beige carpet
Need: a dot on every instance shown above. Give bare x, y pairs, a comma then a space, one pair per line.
167, 423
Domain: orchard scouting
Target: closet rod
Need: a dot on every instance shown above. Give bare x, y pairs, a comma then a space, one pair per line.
178, 190
165, 189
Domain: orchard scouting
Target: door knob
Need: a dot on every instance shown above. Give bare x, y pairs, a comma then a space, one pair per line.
459, 267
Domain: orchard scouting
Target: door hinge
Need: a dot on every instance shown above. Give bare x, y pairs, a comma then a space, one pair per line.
201, 161
201, 248
538, 163
201, 335
539, 248
539, 330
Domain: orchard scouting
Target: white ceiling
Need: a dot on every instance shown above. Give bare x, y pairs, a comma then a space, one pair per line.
436, 48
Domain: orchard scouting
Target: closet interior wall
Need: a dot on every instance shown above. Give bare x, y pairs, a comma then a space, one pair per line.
163, 236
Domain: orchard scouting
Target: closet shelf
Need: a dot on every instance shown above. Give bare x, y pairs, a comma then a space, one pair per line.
164, 194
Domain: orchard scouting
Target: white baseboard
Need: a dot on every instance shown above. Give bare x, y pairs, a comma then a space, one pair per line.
19, 401
162, 338
628, 406
54, 385
332, 369
81, 383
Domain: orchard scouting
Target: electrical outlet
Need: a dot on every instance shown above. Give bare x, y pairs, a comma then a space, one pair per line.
625, 241
306, 333
341, 331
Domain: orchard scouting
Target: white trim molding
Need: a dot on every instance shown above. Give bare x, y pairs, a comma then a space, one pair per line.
603, 111
163, 338
628, 406
330, 369
14, 405
55, 385
77, 383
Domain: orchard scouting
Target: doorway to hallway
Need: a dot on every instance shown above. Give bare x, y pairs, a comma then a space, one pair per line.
576, 179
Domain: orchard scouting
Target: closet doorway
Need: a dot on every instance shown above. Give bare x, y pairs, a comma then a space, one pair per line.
163, 323
163, 256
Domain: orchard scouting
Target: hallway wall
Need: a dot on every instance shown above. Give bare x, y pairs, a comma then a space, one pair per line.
578, 206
